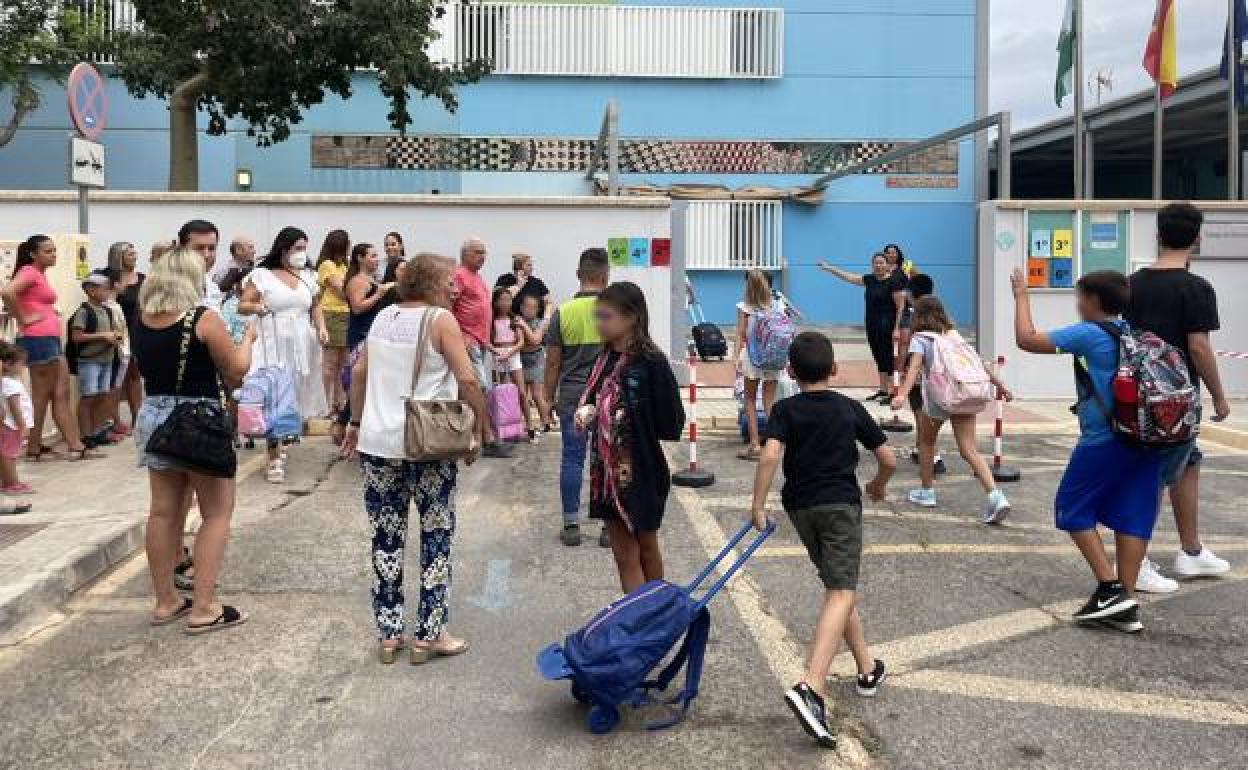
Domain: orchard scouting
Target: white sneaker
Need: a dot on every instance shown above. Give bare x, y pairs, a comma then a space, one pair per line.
995, 509
275, 474
1150, 581
1204, 564
925, 498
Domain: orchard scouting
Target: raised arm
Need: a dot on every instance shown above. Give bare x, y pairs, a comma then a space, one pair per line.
844, 275
1025, 334
232, 361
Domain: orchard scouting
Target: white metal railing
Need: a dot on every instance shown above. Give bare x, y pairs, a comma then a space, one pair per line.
734, 235
615, 41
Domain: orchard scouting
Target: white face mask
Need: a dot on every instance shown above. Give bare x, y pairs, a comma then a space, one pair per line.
298, 260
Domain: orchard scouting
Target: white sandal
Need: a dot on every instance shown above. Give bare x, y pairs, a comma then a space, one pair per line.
276, 474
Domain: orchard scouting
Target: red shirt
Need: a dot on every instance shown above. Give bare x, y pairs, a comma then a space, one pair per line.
472, 306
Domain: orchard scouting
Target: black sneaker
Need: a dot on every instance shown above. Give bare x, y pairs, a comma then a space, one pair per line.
1105, 604
869, 684
498, 449
938, 467
808, 707
570, 535
1127, 621
604, 540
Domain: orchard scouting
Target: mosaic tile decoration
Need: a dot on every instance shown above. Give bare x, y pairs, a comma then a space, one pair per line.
637, 156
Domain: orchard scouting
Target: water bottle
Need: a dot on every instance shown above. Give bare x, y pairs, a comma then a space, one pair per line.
1126, 399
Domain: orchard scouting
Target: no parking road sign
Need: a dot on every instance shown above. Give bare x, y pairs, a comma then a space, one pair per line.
88, 104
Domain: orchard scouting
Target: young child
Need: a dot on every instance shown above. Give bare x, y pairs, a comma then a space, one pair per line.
505, 343
116, 430
631, 403
921, 285
533, 360
758, 299
18, 415
930, 319
1107, 482
96, 336
818, 432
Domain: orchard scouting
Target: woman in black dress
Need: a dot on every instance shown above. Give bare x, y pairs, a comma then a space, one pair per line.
884, 291
631, 403
123, 260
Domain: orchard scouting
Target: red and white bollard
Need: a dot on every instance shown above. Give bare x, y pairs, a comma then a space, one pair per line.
693, 476
1001, 472
893, 423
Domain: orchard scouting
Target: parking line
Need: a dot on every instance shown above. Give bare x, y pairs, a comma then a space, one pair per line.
893, 549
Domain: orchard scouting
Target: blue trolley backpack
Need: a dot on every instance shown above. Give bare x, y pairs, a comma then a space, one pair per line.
611, 658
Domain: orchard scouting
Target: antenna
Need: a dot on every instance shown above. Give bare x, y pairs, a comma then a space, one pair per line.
1101, 83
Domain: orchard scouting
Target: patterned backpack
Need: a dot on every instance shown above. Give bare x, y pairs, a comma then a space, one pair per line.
1155, 403
956, 382
768, 336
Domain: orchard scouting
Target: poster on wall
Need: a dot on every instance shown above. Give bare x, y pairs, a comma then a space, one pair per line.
661, 252
1051, 249
1224, 236
1104, 241
617, 252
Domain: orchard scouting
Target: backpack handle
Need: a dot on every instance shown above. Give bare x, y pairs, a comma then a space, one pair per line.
737, 563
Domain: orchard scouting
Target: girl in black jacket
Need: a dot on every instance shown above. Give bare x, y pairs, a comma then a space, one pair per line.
631, 403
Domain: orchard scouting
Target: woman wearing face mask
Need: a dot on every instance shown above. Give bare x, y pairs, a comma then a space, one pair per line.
281, 290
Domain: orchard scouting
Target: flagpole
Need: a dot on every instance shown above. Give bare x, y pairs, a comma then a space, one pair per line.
1078, 89
1233, 74
1159, 116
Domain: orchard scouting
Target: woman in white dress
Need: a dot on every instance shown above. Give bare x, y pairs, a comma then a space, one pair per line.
282, 290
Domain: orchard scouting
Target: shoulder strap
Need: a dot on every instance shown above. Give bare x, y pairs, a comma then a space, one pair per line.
91, 324
422, 339
184, 348
1084, 378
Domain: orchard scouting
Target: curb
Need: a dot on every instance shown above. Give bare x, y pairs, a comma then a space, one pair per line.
25, 606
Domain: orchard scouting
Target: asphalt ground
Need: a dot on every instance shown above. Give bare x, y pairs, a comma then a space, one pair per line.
987, 670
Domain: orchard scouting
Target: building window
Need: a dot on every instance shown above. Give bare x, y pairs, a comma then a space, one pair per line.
734, 235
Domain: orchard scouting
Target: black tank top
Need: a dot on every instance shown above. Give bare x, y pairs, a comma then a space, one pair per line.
157, 352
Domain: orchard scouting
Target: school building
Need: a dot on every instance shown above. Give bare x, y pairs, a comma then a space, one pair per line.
736, 105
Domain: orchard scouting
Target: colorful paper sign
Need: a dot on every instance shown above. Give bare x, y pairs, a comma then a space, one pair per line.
1041, 244
661, 252
1061, 273
617, 252
1038, 273
639, 252
1063, 243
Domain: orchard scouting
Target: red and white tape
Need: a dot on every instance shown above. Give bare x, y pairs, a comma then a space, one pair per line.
693, 412
1000, 418
1230, 354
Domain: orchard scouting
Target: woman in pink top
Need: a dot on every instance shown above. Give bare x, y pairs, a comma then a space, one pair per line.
31, 301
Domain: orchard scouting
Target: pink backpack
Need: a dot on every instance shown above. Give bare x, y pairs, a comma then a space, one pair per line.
505, 413
956, 382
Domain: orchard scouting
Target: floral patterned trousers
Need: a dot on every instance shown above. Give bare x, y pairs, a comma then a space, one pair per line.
390, 487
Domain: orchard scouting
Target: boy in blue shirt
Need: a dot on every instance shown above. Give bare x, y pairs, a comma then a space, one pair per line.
1107, 482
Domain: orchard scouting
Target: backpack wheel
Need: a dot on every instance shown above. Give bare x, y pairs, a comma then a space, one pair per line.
602, 719
580, 695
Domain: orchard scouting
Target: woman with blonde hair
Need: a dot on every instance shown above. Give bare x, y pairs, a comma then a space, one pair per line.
184, 353
420, 325
123, 260
758, 299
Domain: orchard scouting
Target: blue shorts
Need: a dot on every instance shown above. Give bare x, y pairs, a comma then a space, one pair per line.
1176, 461
40, 350
1111, 484
95, 378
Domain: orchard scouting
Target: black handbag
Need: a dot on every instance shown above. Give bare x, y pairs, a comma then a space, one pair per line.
198, 435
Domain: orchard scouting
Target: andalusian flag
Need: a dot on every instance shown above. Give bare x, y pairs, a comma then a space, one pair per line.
1160, 57
1066, 54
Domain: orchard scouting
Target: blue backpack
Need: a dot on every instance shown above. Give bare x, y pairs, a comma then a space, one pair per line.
610, 658
768, 335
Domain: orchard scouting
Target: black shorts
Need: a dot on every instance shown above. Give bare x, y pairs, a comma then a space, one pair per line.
832, 535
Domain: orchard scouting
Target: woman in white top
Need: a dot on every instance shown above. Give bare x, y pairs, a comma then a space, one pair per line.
380, 381
283, 292
758, 299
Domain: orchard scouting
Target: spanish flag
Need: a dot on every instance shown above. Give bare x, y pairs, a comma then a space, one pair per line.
1160, 57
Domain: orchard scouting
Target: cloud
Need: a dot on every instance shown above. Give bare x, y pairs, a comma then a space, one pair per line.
1024, 55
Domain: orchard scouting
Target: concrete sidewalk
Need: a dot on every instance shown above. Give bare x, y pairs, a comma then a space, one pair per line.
87, 517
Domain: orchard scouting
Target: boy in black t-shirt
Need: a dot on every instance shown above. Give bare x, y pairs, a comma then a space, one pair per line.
818, 432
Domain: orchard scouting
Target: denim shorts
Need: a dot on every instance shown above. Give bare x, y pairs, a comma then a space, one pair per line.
1176, 461
95, 378
40, 350
155, 410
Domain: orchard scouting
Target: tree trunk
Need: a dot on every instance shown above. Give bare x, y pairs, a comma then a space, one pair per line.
184, 134
25, 100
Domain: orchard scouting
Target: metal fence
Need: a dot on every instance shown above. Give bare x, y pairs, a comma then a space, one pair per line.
617, 41
734, 235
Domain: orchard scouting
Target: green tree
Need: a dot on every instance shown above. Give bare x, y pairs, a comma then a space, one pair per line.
40, 37
266, 61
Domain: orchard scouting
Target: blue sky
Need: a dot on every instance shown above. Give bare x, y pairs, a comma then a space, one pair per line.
1024, 56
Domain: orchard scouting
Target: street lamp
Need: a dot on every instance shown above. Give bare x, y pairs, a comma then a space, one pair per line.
242, 178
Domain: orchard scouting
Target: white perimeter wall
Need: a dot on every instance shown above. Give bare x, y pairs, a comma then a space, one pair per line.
553, 230
1002, 247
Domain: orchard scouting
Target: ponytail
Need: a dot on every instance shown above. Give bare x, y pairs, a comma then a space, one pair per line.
26, 251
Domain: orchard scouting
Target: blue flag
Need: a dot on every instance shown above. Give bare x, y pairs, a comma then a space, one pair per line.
1241, 32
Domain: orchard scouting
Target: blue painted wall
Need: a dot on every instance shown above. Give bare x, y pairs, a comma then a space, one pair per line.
854, 70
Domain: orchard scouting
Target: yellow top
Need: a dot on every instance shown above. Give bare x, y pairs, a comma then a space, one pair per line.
332, 300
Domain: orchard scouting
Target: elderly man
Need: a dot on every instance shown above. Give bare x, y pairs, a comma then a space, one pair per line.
472, 310
242, 258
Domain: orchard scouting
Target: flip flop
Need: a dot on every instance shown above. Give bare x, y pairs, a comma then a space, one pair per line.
182, 610
48, 452
16, 509
228, 618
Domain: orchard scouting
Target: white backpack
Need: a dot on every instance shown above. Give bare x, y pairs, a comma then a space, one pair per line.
957, 381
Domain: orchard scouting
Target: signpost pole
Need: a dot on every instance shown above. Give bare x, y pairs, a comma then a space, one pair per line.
83, 219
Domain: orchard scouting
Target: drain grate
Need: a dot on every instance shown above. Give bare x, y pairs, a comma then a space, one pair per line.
11, 534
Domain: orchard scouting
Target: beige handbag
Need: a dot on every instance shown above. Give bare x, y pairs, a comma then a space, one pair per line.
435, 430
